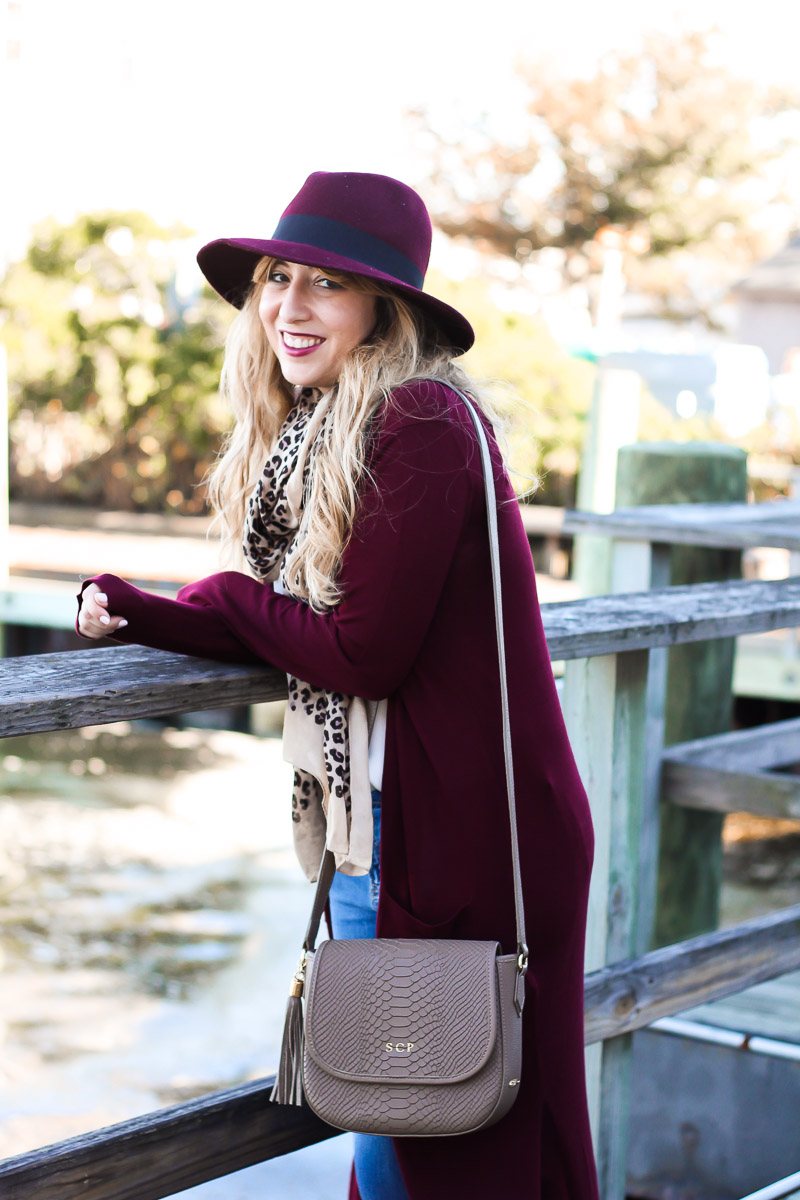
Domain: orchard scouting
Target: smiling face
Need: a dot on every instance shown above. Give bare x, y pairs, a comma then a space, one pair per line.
312, 321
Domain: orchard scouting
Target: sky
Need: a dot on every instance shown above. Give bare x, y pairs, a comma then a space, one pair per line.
213, 113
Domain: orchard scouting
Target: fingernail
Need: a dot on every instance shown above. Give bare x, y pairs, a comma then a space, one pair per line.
122, 624
105, 618
102, 597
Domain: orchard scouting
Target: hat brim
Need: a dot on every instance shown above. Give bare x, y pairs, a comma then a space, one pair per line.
228, 265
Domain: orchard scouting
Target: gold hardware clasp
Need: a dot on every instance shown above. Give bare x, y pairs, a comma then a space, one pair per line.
299, 977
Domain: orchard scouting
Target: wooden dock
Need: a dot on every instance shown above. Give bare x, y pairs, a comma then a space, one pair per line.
156, 1154
615, 647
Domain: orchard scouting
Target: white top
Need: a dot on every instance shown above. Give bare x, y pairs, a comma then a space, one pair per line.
377, 746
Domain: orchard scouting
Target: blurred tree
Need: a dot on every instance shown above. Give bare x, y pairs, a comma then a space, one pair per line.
666, 142
113, 369
516, 354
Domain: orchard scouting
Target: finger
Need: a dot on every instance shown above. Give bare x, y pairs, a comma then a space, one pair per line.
101, 598
94, 620
90, 630
95, 612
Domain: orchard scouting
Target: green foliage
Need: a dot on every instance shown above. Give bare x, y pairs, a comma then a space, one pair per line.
113, 374
114, 378
553, 390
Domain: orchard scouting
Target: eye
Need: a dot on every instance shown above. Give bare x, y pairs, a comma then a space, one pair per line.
276, 275
328, 284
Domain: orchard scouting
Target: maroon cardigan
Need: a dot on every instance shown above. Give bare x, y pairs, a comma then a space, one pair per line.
416, 625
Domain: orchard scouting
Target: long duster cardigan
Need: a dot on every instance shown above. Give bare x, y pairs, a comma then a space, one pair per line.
416, 625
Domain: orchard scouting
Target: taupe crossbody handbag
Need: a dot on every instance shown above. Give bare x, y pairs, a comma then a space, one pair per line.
411, 1037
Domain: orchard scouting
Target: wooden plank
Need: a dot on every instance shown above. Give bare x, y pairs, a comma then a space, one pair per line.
588, 705
692, 613
730, 772
76, 516
779, 534
75, 688
160, 1153
625, 810
604, 707
710, 789
157, 1154
783, 1189
542, 519
767, 1010
700, 513
765, 746
628, 996
68, 689
74, 554
773, 523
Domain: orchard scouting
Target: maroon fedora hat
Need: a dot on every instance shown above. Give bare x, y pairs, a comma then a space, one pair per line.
368, 225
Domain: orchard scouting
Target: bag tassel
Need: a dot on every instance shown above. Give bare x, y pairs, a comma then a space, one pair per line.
288, 1087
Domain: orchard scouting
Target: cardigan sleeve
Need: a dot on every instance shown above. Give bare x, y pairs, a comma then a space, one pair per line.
412, 513
166, 624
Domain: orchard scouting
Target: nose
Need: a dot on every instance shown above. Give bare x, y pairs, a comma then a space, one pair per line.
294, 303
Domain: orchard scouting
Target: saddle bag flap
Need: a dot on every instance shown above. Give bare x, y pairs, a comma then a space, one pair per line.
397, 1010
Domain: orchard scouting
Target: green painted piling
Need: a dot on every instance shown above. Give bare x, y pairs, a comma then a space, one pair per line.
699, 675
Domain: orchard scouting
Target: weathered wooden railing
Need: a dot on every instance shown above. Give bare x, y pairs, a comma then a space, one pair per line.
612, 711
783, 1189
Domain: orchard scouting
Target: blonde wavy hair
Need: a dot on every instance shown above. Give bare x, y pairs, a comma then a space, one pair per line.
403, 346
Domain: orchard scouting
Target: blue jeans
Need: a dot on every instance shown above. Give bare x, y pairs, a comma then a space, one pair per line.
354, 907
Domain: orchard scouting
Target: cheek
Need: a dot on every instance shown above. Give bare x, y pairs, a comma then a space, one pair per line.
361, 319
267, 313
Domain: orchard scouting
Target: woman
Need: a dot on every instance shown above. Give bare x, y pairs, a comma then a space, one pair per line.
369, 519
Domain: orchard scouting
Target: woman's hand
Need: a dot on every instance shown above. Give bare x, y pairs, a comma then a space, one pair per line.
94, 619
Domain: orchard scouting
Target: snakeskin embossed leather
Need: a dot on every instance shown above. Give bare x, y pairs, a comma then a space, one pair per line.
405, 1037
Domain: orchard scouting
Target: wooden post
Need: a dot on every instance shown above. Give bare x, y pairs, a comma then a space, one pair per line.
614, 707
612, 422
699, 677
605, 706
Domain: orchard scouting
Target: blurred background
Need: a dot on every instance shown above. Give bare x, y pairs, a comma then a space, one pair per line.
613, 187
600, 181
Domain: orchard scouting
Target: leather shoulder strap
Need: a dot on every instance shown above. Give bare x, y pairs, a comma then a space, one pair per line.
327, 866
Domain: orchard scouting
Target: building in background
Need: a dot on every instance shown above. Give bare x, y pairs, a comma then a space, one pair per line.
768, 304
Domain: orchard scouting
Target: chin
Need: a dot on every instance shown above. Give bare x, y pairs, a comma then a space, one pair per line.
295, 381
297, 377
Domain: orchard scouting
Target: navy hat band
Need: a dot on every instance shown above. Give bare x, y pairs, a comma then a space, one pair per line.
338, 238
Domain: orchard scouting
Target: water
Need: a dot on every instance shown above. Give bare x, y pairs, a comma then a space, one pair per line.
151, 913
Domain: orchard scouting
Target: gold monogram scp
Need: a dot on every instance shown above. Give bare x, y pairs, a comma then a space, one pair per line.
396, 1048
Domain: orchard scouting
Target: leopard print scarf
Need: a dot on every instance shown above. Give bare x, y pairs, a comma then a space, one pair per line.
325, 734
